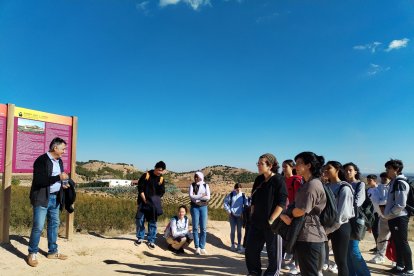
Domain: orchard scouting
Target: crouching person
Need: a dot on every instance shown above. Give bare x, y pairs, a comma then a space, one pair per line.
176, 232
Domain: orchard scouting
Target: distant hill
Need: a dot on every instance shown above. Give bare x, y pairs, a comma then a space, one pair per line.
218, 175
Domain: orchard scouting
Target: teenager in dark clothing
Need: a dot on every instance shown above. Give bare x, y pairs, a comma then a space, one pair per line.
268, 201
150, 190
397, 215
309, 202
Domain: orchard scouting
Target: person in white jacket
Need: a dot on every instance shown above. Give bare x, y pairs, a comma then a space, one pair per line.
177, 234
378, 198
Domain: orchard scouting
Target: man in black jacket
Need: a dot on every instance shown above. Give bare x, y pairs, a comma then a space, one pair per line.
150, 190
46, 195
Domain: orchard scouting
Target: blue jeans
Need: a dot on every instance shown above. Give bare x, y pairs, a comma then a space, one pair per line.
235, 221
356, 263
39, 215
199, 219
152, 228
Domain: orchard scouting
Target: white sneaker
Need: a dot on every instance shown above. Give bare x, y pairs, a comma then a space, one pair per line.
333, 269
197, 251
233, 247
294, 271
325, 267
241, 250
378, 259
203, 251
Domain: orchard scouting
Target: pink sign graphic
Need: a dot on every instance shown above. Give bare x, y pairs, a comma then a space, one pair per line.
32, 139
3, 123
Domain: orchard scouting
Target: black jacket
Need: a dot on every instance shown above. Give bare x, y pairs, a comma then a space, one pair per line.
42, 180
69, 196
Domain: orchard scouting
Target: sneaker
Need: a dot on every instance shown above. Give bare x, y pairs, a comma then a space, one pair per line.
197, 252
325, 267
172, 249
294, 271
288, 257
333, 269
138, 242
151, 245
57, 255
393, 270
241, 250
32, 259
203, 251
181, 251
378, 259
407, 273
233, 247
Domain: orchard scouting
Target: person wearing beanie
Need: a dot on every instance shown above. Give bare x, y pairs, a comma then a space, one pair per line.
269, 196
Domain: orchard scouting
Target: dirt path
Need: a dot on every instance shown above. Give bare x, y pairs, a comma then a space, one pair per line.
94, 254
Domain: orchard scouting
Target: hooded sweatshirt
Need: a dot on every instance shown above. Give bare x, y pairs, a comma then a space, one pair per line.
397, 198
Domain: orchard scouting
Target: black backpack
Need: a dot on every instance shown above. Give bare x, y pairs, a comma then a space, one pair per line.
409, 205
329, 214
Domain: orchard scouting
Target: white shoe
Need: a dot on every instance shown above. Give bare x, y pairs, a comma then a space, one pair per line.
233, 247
203, 251
197, 251
333, 269
294, 271
325, 267
378, 259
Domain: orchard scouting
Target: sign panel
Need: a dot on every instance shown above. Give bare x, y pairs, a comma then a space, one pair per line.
3, 124
33, 132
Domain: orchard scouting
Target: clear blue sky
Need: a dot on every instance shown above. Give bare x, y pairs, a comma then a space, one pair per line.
197, 83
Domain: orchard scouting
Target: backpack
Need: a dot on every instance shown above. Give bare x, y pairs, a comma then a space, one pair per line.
409, 205
147, 177
330, 215
167, 230
364, 217
366, 209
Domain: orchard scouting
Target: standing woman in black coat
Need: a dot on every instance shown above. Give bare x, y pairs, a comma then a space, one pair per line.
268, 200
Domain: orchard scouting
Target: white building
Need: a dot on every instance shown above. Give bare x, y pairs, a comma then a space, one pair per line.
116, 182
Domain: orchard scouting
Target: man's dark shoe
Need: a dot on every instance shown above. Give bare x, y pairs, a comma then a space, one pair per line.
151, 245
393, 270
138, 242
407, 273
172, 248
181, 251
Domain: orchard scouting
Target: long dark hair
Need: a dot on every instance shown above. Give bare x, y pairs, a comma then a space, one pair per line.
291, 164
358, 172
316, 162
337, 165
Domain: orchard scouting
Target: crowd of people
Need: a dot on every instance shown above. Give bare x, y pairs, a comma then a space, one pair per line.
298, 197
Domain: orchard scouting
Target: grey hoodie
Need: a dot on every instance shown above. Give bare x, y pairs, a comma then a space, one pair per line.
344, 204
397, 198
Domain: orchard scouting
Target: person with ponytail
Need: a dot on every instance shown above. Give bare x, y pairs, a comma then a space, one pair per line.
310, 200
340, 232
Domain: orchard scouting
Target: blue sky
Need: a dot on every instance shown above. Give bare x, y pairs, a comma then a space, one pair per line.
197, 83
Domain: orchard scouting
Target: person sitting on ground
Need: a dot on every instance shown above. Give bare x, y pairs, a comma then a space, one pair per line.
177, 234
234, 204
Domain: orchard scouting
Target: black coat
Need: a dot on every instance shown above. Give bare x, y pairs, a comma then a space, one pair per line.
42, 180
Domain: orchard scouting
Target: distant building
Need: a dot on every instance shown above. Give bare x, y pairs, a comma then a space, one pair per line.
116, 182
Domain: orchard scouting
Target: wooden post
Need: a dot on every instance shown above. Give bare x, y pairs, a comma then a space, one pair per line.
5, 193
70, 218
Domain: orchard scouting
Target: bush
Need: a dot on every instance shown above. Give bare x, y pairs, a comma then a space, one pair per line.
15, 181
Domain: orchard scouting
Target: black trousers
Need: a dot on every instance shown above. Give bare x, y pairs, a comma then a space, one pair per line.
309, 254
375, 227
399, 231
340, 241
255, 242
